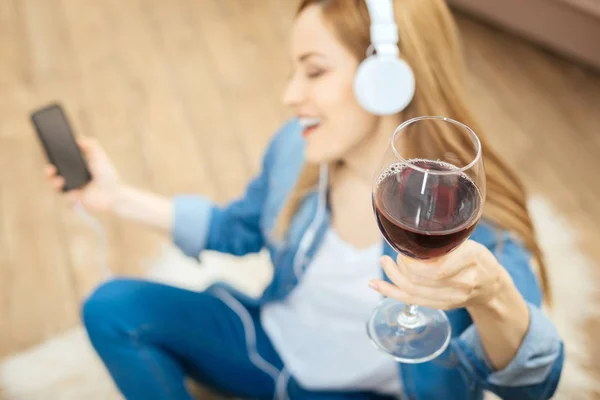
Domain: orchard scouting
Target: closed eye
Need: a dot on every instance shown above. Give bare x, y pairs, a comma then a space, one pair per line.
315, 74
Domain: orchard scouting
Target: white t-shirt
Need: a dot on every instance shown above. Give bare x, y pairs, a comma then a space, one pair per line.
319, 330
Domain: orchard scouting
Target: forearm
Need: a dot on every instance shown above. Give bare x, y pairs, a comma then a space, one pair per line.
144, 207
502, 323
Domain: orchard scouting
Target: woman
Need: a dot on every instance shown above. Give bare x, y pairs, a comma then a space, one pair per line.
304, 337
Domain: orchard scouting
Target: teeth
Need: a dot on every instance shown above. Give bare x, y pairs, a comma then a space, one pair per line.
309, 122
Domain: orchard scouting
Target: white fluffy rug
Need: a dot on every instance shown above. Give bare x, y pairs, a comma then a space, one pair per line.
66, 368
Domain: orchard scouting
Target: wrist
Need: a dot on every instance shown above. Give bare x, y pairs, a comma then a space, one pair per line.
144, 207
494, 298
502, 323
504, 303
122, 200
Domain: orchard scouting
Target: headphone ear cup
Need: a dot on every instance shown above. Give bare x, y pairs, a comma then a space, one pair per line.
383, 85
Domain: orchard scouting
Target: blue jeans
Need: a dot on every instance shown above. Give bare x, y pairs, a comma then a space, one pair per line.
151, 336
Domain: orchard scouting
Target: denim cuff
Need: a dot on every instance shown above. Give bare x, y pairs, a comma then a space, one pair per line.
532, 363
191, 222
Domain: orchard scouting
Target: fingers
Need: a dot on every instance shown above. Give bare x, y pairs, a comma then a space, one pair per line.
406, 285
85, 142
416, 275
58, 182
90, 147
392, 271
49, 170
446, 294
389, 290
401, 272
94, 153
434, 271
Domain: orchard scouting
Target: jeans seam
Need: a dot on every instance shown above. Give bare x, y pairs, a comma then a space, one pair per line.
282, 394
224, 296
146, 355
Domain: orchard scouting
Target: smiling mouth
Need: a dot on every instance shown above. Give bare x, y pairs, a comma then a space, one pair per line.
309, 125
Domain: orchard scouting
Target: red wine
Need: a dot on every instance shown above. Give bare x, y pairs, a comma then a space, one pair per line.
424, 215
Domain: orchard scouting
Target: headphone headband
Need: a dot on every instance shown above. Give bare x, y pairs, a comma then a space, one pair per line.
384, 32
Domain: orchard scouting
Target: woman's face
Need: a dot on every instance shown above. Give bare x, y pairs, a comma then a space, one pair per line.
320, 91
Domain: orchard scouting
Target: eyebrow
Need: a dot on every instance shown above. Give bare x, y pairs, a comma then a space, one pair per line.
305, 56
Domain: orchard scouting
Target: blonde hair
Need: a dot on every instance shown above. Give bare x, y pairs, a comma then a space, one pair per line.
429, 43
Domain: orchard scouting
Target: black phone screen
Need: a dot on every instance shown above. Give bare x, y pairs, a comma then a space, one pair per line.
60, 146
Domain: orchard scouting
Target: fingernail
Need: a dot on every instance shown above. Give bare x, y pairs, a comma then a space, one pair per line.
373, 285
382, 260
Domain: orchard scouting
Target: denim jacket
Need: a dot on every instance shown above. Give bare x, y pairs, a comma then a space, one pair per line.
462, 371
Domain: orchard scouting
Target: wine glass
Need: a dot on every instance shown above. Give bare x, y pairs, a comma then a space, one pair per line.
428, 196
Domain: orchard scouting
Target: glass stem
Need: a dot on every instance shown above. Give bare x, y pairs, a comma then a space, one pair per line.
409, 317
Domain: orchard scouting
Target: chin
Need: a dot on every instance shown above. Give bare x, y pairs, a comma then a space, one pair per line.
318, 157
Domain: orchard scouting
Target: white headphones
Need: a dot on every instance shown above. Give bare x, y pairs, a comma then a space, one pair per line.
384, 83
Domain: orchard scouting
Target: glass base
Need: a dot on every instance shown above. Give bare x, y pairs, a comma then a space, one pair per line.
407, 339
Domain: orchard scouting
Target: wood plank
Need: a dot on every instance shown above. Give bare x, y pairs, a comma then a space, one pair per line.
270, 48
179, 161
553, 125
201, 101
105, 112
55, 78
39, 285
6, 256
13, 68
226, 56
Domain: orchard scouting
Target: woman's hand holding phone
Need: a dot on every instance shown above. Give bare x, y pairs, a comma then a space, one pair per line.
102, 192
107, 193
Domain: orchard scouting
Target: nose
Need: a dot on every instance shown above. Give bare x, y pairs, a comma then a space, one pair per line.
293, 95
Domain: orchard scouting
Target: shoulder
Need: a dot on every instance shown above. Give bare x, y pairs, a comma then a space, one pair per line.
513, 255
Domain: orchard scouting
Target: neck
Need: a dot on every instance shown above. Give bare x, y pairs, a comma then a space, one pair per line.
366, 157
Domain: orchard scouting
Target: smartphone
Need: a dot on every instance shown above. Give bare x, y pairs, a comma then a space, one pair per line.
54, 131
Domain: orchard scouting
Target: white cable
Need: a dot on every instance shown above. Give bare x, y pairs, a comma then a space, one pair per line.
102, 239
281, 385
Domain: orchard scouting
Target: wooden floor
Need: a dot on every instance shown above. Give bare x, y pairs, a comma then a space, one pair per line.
184, 95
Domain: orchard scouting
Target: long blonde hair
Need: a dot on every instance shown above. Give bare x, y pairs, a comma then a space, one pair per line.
429, 43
